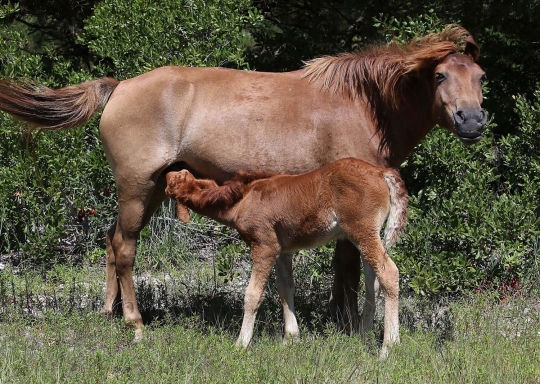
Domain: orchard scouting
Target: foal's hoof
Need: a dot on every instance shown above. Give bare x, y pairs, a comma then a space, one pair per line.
384, 353
241, 344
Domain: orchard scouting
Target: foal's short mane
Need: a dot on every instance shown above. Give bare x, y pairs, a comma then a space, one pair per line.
382, 67
231, 191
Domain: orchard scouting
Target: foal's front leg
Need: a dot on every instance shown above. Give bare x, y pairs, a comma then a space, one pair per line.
264, 258
285, 286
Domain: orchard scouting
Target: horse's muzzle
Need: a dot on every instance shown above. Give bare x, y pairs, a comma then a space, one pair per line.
469, 124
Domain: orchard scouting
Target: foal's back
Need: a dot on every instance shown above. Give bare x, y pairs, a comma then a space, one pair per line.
308, 210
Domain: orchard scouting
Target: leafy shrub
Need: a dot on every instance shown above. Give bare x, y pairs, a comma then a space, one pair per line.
474, 212
140, 35
59, 197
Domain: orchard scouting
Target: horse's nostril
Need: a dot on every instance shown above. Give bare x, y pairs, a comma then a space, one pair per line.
483, 116
466, 116
460, 117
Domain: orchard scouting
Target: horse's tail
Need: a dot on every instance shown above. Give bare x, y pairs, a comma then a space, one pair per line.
54, 109
399, 199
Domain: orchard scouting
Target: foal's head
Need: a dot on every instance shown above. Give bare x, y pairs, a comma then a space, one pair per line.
205, 195
184, 188
458, 94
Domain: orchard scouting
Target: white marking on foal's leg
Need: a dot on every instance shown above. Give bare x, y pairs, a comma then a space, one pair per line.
391, 317
252, 300
246, 333
285, 286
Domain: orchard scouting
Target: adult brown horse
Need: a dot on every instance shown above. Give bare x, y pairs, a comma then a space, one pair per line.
375, 105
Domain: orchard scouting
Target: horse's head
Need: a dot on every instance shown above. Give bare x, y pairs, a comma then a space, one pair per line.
458, 95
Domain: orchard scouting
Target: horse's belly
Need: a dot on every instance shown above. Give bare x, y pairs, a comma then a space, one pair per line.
218, 150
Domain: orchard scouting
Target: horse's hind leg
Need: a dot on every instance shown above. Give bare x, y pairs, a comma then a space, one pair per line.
112, 285
344, 297
263, 261
136, 206
285, 286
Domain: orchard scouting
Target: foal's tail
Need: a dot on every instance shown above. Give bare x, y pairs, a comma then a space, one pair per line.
54, 109
399, 199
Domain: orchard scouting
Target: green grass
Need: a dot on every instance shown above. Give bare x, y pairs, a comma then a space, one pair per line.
88, 348
51, 331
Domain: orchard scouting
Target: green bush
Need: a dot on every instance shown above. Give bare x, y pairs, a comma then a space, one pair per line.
474, 212
140, 35
58, 196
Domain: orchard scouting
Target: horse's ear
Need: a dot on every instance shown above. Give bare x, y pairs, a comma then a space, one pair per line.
471, 48
182, 212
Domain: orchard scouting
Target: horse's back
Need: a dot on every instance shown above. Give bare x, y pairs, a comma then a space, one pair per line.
218, 121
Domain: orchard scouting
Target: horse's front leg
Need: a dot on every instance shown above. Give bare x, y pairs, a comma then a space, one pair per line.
285, 286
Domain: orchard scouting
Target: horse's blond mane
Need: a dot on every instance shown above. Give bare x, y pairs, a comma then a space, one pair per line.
382, 67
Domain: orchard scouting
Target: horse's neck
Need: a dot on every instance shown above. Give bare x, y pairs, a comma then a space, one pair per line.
406, 127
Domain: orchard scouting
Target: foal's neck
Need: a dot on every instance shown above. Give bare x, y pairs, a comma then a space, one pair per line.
223, 215
218, 202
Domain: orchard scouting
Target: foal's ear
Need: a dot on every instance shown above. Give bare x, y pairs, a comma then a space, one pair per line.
182, 212
471, 48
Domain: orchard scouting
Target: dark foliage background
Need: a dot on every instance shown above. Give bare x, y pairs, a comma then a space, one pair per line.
474, 218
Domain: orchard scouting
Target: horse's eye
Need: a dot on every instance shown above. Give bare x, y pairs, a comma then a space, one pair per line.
439, 77
483, 78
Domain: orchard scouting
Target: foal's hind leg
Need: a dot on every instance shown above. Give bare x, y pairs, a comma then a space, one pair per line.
372, 293
263, 261
136, 207
388, 275
285, 287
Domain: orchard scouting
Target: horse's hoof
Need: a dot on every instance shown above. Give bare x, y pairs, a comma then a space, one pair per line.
138, 336
107, 313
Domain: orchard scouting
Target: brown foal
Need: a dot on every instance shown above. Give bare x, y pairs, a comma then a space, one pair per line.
279, 214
